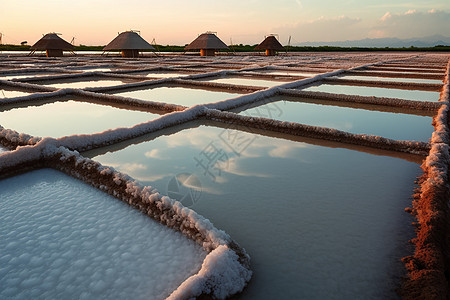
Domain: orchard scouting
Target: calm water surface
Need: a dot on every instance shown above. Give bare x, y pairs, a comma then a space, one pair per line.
85, 84
248, 81
390, 125
162, 74
375, 78
318, 223
375, 91
26, 75
291, 73
71, 117
179, 95
11, 93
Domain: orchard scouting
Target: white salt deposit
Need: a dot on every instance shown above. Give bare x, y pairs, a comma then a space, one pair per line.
62, 239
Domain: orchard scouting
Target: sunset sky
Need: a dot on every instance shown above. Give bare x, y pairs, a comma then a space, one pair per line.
178, 22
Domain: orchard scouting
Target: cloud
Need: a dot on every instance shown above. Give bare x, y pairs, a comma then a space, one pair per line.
386, 16
322, 29
411, 12
413, 23
157, 154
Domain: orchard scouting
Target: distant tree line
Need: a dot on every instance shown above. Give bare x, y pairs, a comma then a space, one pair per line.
250, 48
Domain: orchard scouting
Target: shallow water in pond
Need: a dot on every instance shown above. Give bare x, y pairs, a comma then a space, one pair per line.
409, 71
248, 81
59, 119
85, 84
12, 94
375, 78
162, 74
179, 95
318, 223
375, 91
63, 239
95, 70
26, 75
291, 73
386, 124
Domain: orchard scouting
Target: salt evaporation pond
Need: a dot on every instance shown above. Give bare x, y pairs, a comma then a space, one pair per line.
86, 84
6, 93
397, 126
70, 117
318, 223
26, 75
94, 70
287, 72
375, 91
179, 95
409, 71
63, 239
395, 79
162, 74
247, 81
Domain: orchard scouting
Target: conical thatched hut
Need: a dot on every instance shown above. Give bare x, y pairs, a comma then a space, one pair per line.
208, 43
271, 45
130, 43
52, 44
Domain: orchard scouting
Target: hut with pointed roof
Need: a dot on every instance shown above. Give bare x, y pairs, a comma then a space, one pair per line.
271, 45
208, 43
129, 43
52, 44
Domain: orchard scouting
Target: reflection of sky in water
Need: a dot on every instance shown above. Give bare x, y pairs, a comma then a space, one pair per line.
63, 239
409, 71
72, 117
85, 84
375, 78
161, 74
291, 73
391, 125
309, 216
11, 94
26, 75
94, 70
179, 95
249, 82
375, 91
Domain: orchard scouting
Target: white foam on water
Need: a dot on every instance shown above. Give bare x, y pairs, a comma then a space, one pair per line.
62, 239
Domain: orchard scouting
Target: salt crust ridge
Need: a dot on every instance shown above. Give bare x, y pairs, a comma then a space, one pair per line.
428, 266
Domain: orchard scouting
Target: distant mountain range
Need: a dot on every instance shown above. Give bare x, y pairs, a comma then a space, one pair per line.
429, 41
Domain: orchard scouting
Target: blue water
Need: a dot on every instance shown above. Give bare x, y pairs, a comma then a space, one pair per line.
318, 223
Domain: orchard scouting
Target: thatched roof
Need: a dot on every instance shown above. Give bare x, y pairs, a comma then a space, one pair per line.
128, 40
270, 43
206, 41
51, 41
